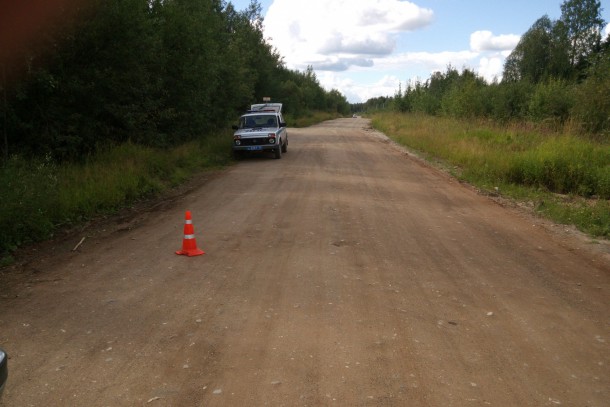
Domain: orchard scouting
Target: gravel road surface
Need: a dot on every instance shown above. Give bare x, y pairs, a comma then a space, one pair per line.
348, 273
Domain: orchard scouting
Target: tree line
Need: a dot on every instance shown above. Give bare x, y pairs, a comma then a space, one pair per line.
152, 72
558, 72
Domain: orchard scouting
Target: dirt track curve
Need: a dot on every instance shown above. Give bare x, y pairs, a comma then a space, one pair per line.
348, 273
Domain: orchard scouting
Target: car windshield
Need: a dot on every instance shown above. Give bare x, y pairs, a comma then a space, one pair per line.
254, 121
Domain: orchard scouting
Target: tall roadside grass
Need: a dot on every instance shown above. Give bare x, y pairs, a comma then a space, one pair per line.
38, 196
566, 177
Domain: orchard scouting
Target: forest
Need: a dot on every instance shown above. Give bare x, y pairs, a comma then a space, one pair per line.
152, 72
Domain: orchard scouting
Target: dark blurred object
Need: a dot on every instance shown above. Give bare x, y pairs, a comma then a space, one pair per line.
23, 22
3, 370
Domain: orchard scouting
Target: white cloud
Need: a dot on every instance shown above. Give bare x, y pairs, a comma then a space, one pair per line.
358, 44
491, 68
342, 64
351, 44
428, 60
392, 15
360, 92
423, 62
338, 34
486, 41
606, 31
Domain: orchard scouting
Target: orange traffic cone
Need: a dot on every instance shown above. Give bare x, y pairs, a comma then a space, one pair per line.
189, 245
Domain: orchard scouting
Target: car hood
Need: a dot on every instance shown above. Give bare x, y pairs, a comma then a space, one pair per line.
256, 132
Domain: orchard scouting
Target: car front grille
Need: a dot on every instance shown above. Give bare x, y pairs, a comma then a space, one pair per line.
254, 141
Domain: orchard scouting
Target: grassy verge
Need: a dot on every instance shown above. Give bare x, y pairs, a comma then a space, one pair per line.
38, 197
567, 178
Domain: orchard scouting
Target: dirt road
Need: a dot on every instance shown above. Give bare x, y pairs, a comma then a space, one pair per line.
347, 273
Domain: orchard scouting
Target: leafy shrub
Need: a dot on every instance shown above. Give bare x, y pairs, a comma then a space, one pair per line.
551, 100
592, 98
466, 98
509, 100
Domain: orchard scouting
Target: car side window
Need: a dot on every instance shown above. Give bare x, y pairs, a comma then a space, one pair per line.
245, 122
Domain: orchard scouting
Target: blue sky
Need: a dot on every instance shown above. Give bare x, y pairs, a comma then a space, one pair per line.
366, 48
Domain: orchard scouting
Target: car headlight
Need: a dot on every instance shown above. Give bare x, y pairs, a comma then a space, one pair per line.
238, 142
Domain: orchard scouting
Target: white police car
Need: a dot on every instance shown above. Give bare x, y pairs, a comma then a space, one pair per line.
262, 128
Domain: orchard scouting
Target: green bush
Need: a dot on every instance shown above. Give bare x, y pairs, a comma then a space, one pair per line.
468, 99
592, 98
551, 100
509, 100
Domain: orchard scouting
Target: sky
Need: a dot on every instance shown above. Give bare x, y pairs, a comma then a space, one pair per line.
368, 48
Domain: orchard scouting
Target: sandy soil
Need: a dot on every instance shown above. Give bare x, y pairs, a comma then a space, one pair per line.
348, 273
